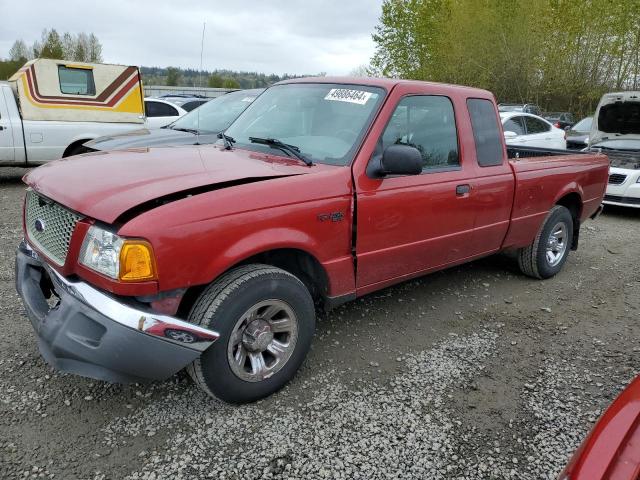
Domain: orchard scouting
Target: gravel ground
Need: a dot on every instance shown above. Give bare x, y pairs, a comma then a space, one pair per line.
475, 372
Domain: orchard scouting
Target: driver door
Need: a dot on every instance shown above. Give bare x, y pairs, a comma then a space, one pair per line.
416, 223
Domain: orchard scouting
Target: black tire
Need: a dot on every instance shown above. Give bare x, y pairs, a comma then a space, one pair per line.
222, 304
533, 260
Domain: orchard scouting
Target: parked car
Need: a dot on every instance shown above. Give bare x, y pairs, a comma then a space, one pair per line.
611, 451
562, 120
187, 101
321, 191
530, 130
520, 107
201, 126
161, 112
616, 132
578, 136
193, 104
49, 108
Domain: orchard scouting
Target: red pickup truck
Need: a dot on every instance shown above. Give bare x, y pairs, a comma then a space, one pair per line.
142, 262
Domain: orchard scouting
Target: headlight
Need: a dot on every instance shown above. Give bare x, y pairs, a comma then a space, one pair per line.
118, 258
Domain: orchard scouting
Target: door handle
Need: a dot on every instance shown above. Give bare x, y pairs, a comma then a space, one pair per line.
463, 189
1, 127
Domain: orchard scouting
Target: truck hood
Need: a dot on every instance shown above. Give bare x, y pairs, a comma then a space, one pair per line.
105, 185
159, 137
617, 117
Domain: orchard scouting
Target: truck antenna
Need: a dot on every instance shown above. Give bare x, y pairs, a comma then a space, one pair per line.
204, 26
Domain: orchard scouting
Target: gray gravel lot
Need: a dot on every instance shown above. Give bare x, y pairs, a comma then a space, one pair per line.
476, 372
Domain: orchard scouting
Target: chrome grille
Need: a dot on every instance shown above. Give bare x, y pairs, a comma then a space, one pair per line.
617, 178
55, 226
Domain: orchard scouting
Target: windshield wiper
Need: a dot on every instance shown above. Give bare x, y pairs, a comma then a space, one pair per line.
292, 150
189, 130
227, 140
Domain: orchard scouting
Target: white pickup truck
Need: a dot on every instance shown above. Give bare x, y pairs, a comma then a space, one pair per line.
49, 108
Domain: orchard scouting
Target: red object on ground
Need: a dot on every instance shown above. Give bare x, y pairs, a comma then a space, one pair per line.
611, 451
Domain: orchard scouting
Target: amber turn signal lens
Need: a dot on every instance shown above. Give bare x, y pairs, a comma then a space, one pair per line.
136, 261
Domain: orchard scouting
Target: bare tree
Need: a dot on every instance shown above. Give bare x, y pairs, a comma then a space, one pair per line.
94, 49
19, 51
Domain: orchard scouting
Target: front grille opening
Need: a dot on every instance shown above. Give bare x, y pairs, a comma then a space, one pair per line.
49, 226
617, 178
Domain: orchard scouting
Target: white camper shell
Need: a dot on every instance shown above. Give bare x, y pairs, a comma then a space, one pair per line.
49, 108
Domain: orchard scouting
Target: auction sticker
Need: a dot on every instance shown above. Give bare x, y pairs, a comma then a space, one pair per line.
345, 95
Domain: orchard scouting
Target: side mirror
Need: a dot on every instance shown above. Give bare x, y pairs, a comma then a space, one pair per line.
401, 160
509, 134
567, 128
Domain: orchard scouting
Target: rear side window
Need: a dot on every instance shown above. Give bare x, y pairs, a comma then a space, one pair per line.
515, 125
159, 109
76, 81
192, 105
536, 126
486, 132
426, 122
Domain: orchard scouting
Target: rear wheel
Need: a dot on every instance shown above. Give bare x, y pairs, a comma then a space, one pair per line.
546, 256
266, 320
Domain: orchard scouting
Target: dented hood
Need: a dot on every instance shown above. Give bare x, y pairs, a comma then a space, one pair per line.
104, 185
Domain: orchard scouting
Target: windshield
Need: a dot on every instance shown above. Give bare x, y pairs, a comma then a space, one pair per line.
583, 125
217, 114
324, 121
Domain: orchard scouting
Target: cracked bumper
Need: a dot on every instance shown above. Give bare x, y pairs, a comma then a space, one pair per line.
92, 334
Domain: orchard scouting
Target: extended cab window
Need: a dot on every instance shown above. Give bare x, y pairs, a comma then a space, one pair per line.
76, 81
486, 132
426, 122
159, 109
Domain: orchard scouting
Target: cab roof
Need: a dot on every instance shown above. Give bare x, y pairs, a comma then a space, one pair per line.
389, 83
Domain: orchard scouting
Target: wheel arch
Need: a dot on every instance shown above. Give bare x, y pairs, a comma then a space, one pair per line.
75, 144
296, 261
573, 202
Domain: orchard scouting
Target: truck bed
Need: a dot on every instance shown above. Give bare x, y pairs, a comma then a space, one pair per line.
515, 152
544, 177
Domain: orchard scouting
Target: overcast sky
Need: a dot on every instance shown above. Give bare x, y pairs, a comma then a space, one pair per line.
269, 36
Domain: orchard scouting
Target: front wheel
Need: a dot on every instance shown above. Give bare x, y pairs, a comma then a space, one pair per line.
266, 320
546, 256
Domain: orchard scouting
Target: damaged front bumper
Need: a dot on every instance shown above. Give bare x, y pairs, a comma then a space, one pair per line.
87, 332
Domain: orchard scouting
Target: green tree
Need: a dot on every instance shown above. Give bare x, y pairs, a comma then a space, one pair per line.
215, 81
559, 53
52, 47
230, 83
173, 76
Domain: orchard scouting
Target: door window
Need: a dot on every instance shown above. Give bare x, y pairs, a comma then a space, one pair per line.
159, 109
486, 132
536, 126
426, 122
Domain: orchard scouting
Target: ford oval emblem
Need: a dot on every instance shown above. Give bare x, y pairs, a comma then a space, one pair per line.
39, 225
